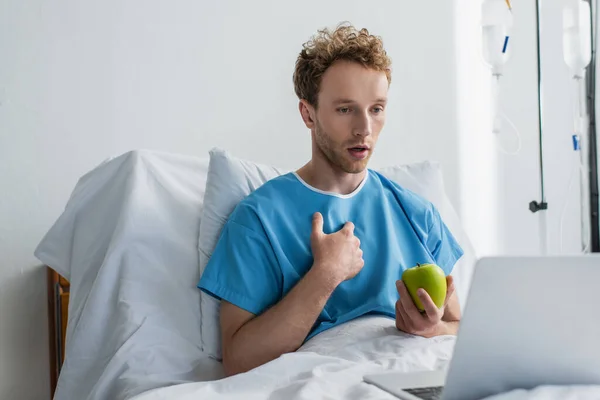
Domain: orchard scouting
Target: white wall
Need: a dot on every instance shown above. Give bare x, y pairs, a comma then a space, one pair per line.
477, 160
82, 81
496, 188
520, 182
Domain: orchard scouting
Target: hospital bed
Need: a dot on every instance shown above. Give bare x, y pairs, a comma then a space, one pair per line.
127, 321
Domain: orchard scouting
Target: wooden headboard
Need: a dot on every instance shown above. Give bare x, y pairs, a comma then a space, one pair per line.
58, 307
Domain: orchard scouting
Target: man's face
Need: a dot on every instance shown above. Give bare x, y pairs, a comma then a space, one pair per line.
350, 115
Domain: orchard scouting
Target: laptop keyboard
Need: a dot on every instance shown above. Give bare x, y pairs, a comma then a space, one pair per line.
427, 393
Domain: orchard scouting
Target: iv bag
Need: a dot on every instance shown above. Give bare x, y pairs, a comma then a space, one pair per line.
496, 24
577, 47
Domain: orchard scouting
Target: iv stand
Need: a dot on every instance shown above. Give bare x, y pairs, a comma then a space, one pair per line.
592, 142
542, 205
535, 206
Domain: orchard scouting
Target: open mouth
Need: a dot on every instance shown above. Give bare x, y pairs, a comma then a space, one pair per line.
359, 152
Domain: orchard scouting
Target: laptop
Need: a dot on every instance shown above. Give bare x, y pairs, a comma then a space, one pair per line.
529, 321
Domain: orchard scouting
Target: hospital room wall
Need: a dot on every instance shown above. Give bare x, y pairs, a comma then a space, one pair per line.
80, 82
84, 81
496, 188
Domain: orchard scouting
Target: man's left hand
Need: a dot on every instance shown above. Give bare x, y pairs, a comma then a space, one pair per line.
428, 323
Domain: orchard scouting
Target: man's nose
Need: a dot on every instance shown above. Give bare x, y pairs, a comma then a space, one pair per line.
363, 125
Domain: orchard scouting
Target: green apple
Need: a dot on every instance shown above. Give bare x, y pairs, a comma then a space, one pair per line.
429, 277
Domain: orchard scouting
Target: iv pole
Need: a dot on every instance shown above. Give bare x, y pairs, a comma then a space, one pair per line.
542, 205
592, 142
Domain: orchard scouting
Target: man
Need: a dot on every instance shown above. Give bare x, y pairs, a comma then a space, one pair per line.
328, 243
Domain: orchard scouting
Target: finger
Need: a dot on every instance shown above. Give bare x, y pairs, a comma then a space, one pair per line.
349, 227
407, 302
400, 323
431, 310
317, 224
357, 242
406, 321
451, 288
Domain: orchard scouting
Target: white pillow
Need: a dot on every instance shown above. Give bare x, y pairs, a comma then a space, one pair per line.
231, 179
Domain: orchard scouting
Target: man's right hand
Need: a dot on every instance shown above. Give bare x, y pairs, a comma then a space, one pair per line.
337, 255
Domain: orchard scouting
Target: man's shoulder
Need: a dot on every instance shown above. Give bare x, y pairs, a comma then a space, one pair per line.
417, 209
401, 193
272, 190
270, 195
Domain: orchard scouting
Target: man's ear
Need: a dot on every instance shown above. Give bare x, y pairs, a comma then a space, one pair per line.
307, 111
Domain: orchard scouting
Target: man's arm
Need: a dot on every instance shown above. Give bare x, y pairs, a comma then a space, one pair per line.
249, 341
434, 321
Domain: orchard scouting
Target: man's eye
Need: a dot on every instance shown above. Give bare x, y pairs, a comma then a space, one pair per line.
378, 110
344, 110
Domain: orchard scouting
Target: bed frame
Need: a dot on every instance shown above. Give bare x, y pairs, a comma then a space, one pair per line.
58, 307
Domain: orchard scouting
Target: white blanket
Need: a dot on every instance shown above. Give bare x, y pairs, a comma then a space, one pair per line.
127, 242
331, 366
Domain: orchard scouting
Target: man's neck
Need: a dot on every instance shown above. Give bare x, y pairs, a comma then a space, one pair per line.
321, 175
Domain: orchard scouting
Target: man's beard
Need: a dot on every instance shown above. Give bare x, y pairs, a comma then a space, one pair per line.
338, 156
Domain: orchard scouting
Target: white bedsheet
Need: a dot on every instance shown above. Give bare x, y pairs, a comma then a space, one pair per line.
331, 366
127, 241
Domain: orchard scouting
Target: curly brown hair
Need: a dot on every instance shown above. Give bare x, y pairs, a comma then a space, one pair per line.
344, 43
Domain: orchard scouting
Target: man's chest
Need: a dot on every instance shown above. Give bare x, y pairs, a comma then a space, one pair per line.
389, 244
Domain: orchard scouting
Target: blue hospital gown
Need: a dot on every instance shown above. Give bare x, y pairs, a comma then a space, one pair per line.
264, 248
